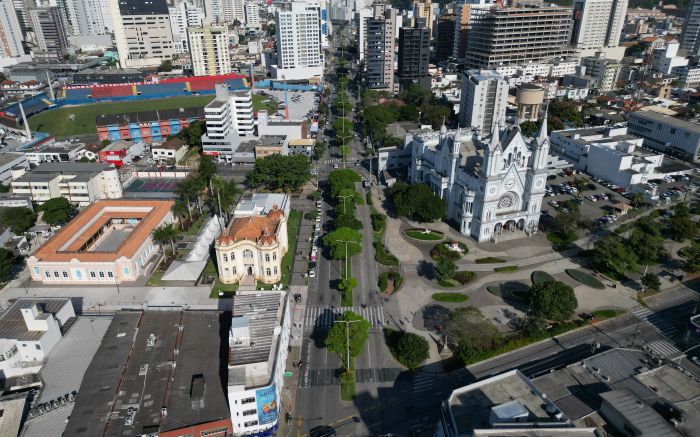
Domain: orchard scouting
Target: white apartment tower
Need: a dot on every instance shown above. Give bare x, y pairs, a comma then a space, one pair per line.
298, 41
142, 32
252, 16
381, 30
10, 31
209, 50
483, 100
228, 116
597, 24
234, 10
214, 10
183, 15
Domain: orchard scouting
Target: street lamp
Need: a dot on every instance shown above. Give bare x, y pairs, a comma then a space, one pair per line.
347, 339
345, 197
346, 254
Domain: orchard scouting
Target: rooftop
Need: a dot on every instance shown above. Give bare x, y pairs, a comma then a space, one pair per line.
12, 324
12, 408
172, 144
261, 229
85, 239
49, 170
672, 121
118, 145
638, 415
260, 204
135, 366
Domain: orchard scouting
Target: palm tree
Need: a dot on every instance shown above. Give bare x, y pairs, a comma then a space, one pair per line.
165, 234
181, 211
227, 192
637, 199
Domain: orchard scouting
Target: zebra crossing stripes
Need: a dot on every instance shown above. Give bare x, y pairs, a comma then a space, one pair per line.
324, 317
662, 347
657, 321
334, 161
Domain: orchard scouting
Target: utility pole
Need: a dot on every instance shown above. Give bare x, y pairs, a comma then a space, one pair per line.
347, 339
347, 261
345, 197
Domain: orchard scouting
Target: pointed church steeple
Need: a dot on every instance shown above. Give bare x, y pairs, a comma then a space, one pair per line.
443, 128
542, 136
495, 141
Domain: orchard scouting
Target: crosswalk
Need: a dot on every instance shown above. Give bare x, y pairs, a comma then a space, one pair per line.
333, 161
323, 317
662, 347
662, 325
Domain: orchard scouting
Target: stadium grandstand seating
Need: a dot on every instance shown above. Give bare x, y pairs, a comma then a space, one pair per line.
76, 93
31, 105
101, 92
160, 89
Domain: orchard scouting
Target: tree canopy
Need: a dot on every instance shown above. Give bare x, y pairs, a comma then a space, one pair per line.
651, 282
278, 172
192, 134
553, 300
692, 259
357, 332
57, 211
417, 202
7, 262
646, 246
18, 219
334, 241
411, 350
612, 255
342, 179
468, 326
529, 128
445, 269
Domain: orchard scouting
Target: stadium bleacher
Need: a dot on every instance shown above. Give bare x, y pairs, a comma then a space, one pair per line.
160, 89
101, 92
31, 105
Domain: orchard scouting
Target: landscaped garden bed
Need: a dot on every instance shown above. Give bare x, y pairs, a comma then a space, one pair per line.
585, 278
422, 235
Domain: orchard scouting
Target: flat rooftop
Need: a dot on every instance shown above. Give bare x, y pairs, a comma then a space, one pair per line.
145, 362
672, 121
118, 145
9, 158
12, 324
260, 204
88, 237
49, 170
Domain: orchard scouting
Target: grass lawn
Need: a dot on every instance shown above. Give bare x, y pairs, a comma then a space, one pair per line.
450, 297
585, 278
419, 234
607, 314
347, 385
506, 269
449, 283
270, 106
228, 289
540, 277
489, 260
197, 225
155, 280
292, 235
555, 238
57, 124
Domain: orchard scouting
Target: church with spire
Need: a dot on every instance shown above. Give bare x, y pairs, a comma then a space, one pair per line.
490, 186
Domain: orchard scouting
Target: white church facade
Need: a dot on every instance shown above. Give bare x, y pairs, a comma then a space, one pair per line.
488, 186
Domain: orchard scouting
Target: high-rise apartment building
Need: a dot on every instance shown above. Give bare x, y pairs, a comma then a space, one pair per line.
10, 31
516, 36
298, 41
183, 15
690, 39
209, 50
142, 32
414, 55
93, 17
252, 15
483, 100
228, 116
67, 10
381, 28
22, 11
463, 14
233, 11
597, 24
424, 9
445, 36
605, 71
214, 10
52, 39
361, 17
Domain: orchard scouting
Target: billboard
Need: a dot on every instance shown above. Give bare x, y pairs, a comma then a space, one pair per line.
266, 399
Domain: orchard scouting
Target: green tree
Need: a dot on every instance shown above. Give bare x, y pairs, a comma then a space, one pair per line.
165, 234
271, 29
681, 228
18, 219
566, 111
648, 225
412, 350
445, 269
342, 179
637, 200
356, 332
226, 193
334, 241
189, 189
347, 221
7, 263
5, 188
57, 211
581, 184
566, 224
207, 168
553, 300
529, 128
165, 66
417, 202
192, 134
468, 326
278, 172
180, 210
692, 259
612, 255
647, 246
651, 282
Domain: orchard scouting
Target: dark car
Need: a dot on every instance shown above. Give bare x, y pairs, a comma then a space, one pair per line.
322, 431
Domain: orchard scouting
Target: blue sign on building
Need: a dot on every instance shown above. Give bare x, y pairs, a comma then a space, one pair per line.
266, 399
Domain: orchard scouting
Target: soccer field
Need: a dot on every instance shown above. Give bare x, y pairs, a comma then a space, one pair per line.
60, 124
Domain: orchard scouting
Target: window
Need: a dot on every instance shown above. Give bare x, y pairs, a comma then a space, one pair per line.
248, 400
102, 274
47, 273
268, 272
234, 271
267, 257
250, 412
126, 271
225, 257
55, 274
251, 423
38, 347
92, 275
247, 253
233, 256
275, 270
36, 270
110, 274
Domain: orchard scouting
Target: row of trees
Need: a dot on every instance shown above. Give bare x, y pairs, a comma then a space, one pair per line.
280, 173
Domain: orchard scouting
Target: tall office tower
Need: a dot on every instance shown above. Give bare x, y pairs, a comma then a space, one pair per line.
209, 50
516, 36
414, 55
233, 11
52, 40
142, 32
252, 15
463, 14
67, 9
423, 9
483, 100
22, 11
183, 15
326, 26
445, 36
361, 18
380, 47
298, 41
598, 25
10, 31
690, 39
214, 10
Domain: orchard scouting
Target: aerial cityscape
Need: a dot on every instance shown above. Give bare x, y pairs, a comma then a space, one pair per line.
358, 218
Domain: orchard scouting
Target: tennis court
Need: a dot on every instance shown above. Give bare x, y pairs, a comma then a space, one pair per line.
152, 185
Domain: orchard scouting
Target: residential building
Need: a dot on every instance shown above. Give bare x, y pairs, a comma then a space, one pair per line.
252, 247
258, 340
121, 152
208, 47
299, 55
142, 32
172, 150
234, 11
423, 9
379, 60
529, 98
361, 17
109, 242
178, 354
11, 36
690, 38
228, 117
214, 10
445, 37
414, 55
295, 147
688, 76
10, 162
483, 102
488, 187
504, 36
81, 183
252, 16
93, 17
464, 11
51, 35
664, 60
598, 25
666, 134
29, 329
604, 71
22, 10
183, 15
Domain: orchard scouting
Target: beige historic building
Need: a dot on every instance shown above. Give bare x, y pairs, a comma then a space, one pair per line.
252, 247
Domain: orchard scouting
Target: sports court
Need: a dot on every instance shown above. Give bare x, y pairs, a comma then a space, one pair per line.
166, 185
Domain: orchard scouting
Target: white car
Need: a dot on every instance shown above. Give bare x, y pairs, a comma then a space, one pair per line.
312, 273
318, 219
